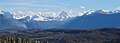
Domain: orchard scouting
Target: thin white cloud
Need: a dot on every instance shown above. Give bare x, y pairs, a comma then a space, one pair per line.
33, 5
82, 7
118, 8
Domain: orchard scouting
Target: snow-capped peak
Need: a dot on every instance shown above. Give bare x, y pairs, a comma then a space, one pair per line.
101, 12
49, 16
6, 14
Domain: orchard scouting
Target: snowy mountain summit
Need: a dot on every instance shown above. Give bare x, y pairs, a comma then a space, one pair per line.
72, 20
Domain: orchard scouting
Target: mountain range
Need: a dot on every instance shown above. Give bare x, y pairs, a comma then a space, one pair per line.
71, 20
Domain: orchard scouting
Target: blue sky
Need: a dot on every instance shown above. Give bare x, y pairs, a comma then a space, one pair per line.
58, 5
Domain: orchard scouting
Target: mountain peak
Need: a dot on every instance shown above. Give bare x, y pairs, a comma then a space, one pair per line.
101, 11
7, 14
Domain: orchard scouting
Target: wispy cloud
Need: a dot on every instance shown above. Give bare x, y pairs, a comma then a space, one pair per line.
118, 8
32, 4
82, 7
